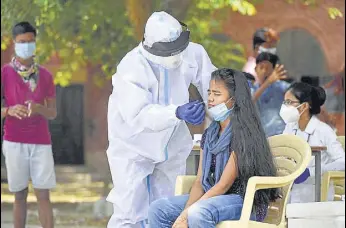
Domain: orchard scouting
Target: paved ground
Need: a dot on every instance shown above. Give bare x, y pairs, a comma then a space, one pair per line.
66, 216
11, 226
75, 205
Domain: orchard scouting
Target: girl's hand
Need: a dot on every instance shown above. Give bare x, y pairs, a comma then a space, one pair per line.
181, 221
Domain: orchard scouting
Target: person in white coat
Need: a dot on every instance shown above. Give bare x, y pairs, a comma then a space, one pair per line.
302, 103
149, 140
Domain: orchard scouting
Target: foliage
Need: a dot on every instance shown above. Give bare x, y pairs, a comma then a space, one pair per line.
79, 32
248, 7
332, 11
205, 25
242, 6
85, 32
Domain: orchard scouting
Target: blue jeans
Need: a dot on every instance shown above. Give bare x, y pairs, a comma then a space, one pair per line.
203, 214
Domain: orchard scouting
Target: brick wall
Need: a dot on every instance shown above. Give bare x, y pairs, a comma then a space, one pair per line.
282, 16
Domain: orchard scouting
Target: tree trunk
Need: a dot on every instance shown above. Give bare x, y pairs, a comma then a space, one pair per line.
139, 11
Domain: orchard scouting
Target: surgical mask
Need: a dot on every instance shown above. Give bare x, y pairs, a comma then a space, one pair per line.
220, 112
25, 50
268, 50
290, 114
171, 62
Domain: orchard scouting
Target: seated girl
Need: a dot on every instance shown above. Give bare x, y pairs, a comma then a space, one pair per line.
234, 149
302, 103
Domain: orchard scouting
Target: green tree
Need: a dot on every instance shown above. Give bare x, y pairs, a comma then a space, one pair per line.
79, 32
84, 33
248, 7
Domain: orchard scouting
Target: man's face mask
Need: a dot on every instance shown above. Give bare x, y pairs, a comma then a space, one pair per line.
268, 50
25, 50
171, 62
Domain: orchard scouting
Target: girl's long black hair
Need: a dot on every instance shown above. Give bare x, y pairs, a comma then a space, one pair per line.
249, 142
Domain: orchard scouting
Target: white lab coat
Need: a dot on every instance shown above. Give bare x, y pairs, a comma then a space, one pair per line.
148, 145
317, 133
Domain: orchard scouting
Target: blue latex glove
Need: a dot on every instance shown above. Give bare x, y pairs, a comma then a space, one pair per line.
193, 112
305, 175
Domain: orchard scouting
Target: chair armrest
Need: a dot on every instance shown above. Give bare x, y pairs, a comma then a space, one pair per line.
259, 183
270, 182
184, 184
335, 174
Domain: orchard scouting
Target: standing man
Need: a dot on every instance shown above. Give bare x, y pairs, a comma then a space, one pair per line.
28, 102
264, 40
268, 88
149, 140
268, 92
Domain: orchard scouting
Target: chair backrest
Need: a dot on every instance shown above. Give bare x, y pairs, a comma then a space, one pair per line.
341, 139
292, 155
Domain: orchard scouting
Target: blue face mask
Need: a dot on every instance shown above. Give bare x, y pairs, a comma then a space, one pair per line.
220, 112
25, 50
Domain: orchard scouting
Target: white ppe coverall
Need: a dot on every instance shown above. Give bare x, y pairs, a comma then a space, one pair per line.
148, 144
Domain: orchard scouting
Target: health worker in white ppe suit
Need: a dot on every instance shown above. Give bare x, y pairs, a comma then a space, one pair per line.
149, 140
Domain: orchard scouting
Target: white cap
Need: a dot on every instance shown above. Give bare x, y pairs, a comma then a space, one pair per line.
161, 27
